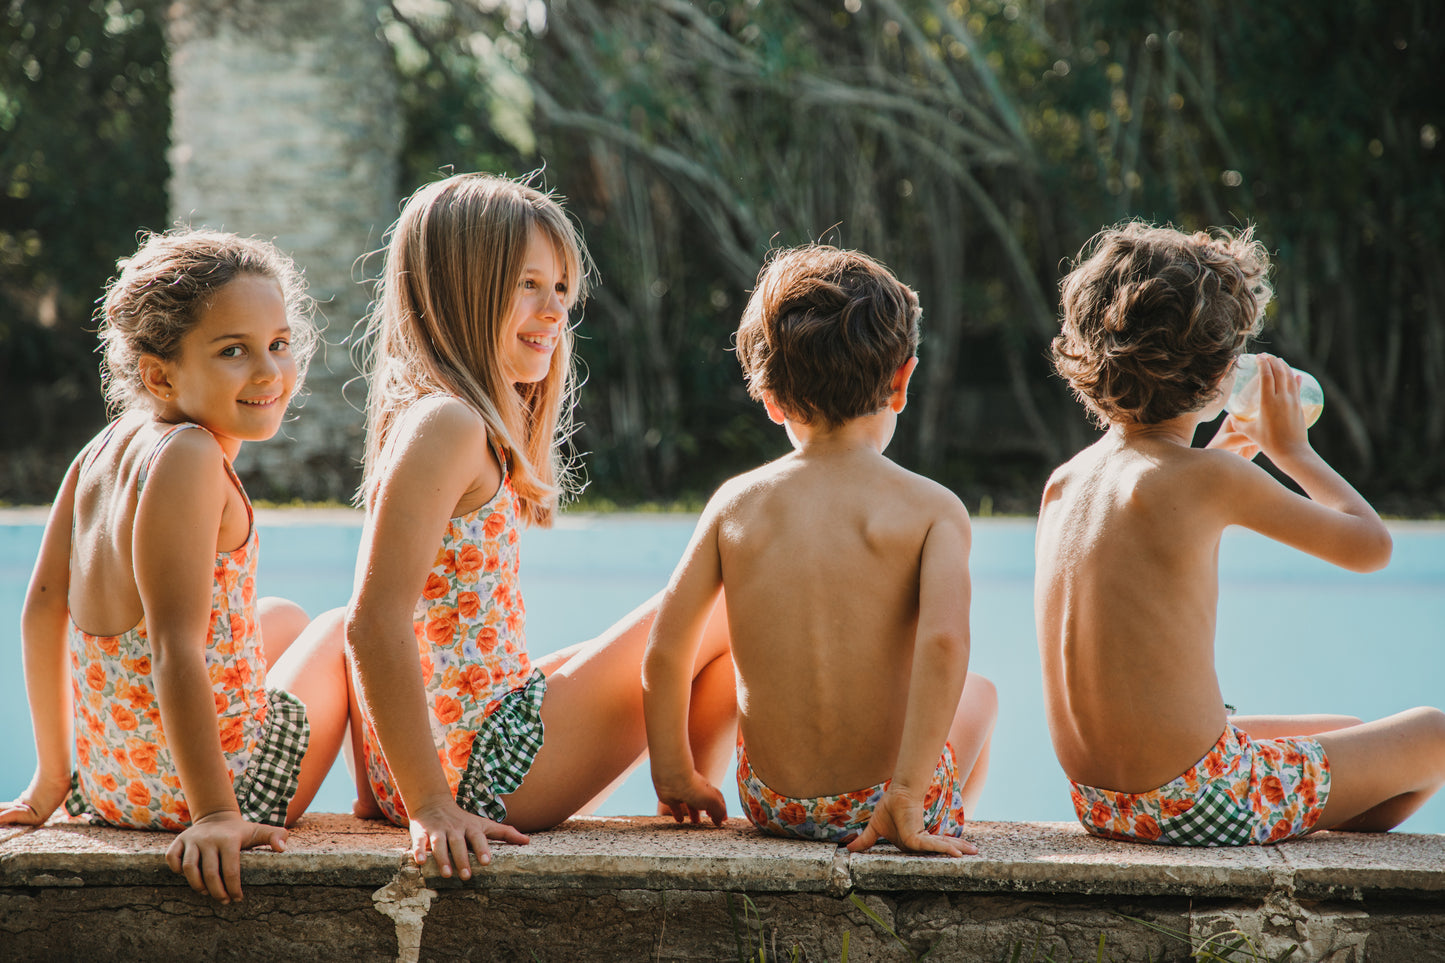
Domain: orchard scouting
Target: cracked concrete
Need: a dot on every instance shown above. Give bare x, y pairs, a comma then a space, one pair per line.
646, 888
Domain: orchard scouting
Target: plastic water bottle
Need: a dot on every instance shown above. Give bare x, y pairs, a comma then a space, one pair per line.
1243, 401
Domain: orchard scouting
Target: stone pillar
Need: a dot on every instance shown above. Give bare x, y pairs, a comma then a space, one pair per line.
285, 125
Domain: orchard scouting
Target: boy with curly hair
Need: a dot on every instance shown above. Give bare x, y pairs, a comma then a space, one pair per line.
846, 583
1127, 552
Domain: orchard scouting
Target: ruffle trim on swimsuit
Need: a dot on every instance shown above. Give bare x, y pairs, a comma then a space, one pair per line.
504, 749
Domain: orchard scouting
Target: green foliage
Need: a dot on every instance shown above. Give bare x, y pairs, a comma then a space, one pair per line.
973, 145
84, 114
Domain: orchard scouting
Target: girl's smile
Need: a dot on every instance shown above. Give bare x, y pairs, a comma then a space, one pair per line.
539, 311
234, 373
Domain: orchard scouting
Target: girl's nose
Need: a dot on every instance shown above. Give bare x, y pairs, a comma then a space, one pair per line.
267, 369
555, 308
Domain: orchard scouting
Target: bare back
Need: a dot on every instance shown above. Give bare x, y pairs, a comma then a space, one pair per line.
103, 597
820, 564
1125, 594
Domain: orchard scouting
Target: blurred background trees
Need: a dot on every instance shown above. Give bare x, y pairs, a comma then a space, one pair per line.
973, 146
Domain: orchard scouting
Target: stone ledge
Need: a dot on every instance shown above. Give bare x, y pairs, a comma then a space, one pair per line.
654, 852
620, 877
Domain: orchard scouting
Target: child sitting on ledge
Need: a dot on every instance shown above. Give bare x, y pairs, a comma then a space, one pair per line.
846, 583
1127, 550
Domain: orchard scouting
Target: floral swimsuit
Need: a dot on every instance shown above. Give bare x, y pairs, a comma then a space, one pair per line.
837, 819
126, 776
484, 699
1244, 791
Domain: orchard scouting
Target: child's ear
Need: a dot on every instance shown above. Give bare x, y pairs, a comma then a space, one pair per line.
774, 410
899, 388
155, 376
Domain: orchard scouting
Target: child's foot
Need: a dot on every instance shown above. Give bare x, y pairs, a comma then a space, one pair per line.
367, 808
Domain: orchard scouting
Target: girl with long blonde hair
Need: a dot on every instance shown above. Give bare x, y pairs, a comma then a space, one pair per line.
471, 388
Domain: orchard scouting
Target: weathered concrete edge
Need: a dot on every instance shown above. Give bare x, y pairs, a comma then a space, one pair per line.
652, 854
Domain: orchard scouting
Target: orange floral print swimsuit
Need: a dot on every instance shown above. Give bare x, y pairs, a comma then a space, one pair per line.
1243, 792
838, 819
484, 699
125, 774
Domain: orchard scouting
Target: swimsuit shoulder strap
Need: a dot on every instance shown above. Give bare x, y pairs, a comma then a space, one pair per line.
157, 448
160, 445
99, 446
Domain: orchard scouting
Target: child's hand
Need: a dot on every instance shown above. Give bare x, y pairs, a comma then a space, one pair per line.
1280, 427
35, 804
208, 852
898, 818
693, 798
1230, 437
451, 834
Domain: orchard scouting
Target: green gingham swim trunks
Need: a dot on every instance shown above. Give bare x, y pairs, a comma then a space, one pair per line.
504, 750
264, 789
1243, 792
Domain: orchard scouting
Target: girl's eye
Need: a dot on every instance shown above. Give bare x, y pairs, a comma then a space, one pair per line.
280, 344
529, 284
232, 351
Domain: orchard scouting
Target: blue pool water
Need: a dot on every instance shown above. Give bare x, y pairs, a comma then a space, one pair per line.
1295, 635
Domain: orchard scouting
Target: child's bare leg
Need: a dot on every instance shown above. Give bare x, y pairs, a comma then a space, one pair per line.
592, 714
281, 621
552, 661
1281, 727
970, 735
1382, 771
594, 725
313, 669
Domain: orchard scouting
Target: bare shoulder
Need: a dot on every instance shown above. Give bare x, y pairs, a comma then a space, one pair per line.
739, 492
437, 428
188, 457
933, 499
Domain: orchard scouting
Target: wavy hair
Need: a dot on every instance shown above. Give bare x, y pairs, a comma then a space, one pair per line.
1153, 318
825, 331
163, 289
453, 261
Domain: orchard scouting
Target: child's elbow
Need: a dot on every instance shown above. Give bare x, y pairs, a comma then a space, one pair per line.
946, 648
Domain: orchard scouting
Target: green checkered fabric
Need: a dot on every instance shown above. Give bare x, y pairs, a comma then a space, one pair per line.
265, 789
503, 750
1215, 819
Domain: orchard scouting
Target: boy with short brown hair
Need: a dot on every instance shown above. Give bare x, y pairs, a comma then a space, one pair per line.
846, 584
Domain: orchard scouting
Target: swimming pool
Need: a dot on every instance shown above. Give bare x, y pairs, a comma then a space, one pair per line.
1295, 634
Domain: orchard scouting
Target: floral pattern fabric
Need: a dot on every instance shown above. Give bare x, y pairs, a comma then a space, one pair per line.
1244, 791
470, 632
838, 819
125, 774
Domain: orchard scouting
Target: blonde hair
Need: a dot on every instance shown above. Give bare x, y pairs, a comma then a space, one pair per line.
164, 288
454, 260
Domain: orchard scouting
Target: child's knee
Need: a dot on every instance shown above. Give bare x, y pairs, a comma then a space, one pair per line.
281, 621
980, 698
1431, 724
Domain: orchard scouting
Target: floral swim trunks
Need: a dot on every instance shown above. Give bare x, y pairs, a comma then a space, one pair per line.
837, 819
1243, 792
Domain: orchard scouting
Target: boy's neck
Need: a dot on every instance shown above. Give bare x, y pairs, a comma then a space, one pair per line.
864, 433
1175, 431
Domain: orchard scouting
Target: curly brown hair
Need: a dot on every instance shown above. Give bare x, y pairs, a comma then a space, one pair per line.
164, 288
1154, 318
824, 333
